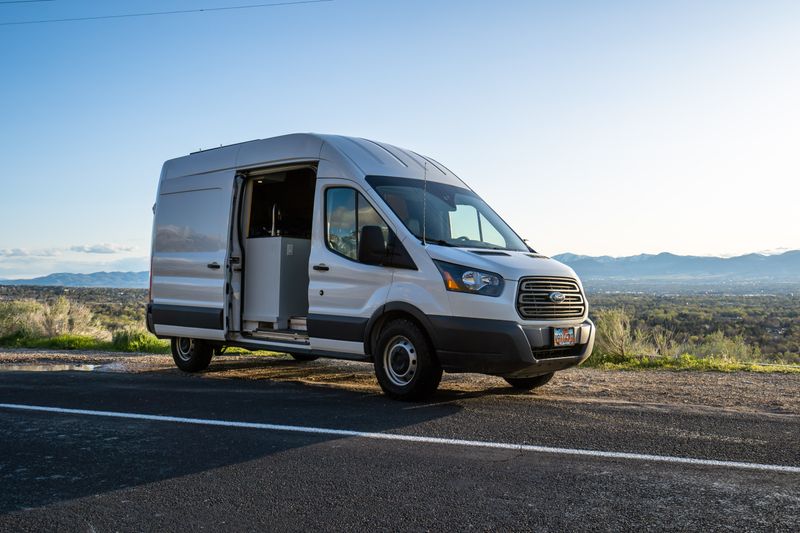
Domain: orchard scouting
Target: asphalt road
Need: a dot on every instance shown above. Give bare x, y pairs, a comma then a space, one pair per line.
80, 472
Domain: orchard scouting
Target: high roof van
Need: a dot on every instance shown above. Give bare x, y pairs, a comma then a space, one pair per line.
330, 246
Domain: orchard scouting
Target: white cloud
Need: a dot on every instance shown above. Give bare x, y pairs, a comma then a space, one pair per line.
23, 252
103, 248
13, 252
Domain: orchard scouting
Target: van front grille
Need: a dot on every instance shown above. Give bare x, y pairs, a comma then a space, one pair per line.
534, 301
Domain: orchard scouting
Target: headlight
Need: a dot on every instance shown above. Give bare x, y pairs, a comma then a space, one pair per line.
464, 279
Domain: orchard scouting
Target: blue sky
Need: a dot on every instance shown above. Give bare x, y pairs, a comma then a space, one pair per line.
593, 127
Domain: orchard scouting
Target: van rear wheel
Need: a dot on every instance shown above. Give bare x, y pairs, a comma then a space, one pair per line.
191, 355
529, 383
405, 364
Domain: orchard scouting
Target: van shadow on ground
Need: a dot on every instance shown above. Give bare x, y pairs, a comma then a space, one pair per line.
47, 458
350, 376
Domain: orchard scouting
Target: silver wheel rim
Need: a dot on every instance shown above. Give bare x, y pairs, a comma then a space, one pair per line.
400, 361
185, 348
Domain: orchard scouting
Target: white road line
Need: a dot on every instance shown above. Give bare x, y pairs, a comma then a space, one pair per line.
413, 438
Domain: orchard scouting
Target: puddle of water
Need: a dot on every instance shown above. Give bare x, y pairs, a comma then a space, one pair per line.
116, 366
48, 368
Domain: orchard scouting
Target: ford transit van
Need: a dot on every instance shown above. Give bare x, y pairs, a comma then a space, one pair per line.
331, 246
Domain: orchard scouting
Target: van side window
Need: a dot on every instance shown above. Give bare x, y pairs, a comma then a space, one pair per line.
191, 221
347, 213
341, 232
367, 216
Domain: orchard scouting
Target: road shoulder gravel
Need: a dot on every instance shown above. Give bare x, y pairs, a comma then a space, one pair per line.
767, 393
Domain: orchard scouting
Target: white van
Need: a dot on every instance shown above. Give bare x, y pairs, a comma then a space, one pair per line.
330, 246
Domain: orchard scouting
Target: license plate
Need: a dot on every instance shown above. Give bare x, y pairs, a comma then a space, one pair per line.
564, 337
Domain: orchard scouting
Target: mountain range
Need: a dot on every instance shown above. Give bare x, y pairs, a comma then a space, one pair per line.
643, 268
118, 280
671, 267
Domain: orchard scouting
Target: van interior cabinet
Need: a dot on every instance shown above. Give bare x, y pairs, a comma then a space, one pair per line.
276, 273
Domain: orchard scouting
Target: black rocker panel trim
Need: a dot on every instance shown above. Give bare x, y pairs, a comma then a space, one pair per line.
338, 328
186, 316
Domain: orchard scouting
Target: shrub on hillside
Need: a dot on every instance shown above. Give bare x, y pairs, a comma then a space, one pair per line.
65, 317
718, 345
616, 339
138, 340
21, 318
29, 318
618, 342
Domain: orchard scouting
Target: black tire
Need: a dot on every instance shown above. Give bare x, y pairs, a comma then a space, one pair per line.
529, 383
405, 363
191, 355
303, 357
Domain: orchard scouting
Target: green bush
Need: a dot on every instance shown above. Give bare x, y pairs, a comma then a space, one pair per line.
14, 340
49, 319
65, 317
21, 318
687, 362
619, 345
728, 348
138, 340
66, 341
613, 338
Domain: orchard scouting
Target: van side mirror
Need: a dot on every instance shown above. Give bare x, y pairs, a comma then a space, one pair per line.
371, 246
528, 246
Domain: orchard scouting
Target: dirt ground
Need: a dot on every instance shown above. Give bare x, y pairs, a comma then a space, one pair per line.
739, 391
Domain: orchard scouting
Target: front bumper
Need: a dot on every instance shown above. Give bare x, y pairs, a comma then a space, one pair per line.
506, 348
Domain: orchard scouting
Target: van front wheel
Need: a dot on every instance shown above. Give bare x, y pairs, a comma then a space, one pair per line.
405, 364
191, 355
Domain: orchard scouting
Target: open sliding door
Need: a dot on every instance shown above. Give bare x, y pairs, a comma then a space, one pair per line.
190, 256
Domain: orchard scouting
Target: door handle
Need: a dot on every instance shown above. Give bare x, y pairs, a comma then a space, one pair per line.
213, 266
322, 267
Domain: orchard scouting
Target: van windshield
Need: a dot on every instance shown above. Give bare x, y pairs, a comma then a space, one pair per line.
453, 216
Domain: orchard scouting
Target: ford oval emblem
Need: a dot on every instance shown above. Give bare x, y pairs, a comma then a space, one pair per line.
557, 297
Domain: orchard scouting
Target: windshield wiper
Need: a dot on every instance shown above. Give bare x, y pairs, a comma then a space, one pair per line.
440, 242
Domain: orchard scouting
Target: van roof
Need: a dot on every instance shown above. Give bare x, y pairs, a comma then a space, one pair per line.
355, 155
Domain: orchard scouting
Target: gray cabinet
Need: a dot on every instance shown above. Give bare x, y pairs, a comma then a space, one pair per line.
276, 281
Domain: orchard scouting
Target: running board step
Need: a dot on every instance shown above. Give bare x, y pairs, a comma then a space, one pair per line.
280, 336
